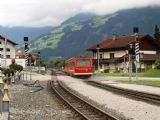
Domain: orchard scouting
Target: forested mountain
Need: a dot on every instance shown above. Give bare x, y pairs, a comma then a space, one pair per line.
16, 34
72, 37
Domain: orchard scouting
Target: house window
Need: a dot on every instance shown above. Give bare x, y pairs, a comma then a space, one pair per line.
8, 49
1, 49
101, 56
111, 55
7, 56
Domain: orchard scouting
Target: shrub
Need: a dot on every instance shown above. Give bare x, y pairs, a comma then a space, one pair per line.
16, 67
8, 72
157, 64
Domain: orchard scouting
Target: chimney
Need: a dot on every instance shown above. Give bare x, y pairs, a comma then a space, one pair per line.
114, 36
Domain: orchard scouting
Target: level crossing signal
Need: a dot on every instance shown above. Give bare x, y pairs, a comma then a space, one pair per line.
137, 51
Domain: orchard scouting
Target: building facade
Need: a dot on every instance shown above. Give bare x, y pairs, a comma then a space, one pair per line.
7, 51
112, 55
10, 47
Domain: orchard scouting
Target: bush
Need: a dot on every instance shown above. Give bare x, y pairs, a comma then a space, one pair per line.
8, 72
157, 64
59, 63
16, 67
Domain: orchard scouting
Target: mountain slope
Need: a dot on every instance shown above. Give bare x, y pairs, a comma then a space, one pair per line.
79, 18
17, 33
72, 39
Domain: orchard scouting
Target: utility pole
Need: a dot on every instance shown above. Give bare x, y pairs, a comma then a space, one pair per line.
30, 60
39, 58
131, 53
98, 56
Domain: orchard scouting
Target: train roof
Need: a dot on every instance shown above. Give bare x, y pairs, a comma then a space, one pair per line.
78, 58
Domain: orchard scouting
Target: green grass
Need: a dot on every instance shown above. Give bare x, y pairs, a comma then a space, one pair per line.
101, 20
149, 73
111, 74
142, 82
76, 27
51, 42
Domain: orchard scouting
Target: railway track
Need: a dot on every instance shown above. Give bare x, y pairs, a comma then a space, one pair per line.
84, 109
147, 97
57, 72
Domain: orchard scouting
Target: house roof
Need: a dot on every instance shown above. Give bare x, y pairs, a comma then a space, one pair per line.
20, 53
120, 42
3, 38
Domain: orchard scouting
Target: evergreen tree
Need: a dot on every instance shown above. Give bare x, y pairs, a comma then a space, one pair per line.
156, 33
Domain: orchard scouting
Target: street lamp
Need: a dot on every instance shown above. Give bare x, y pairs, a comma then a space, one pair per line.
98, 55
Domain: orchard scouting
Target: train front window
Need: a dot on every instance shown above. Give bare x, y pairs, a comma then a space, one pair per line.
82, 63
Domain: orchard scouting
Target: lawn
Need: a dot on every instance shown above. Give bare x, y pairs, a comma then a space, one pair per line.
142, 82
149, 73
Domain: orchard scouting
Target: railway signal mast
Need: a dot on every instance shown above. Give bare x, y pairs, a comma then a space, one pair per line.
26, 48
136, 30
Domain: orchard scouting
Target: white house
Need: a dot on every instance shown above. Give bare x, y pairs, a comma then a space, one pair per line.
7, 50
112, 54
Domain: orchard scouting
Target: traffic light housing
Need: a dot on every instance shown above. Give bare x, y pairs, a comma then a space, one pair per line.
26, 43
132, 49
26, 46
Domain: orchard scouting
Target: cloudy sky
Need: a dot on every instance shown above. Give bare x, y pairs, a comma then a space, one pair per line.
38, 13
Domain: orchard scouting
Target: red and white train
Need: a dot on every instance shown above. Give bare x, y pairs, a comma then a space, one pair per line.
79, 66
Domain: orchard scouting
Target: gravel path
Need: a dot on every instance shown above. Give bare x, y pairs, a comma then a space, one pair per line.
40, 105
131, 109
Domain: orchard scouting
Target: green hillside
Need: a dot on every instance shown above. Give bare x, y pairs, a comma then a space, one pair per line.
74, 37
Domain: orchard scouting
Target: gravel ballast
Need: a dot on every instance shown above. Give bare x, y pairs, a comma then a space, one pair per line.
42, 105
130, 109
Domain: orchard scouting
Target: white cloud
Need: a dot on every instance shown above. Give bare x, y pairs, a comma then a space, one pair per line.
53, 12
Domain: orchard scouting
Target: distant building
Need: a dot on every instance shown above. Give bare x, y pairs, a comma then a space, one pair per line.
113, 53
20, 54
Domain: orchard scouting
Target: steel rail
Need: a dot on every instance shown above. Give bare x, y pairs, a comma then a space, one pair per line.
86, 110
147, 97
